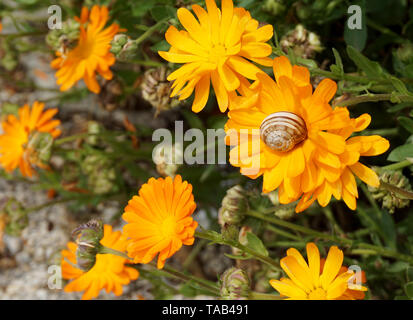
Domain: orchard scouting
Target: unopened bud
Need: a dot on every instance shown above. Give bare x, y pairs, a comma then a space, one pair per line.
123, 47
233, 206
15, 217
65, 38
391, 200
39, 148
88, 236
235, 285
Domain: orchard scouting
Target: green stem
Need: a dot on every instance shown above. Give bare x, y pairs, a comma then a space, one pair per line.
194, 252
236, 244
205, 284
149, 32
263, 296
371, 98
379, 250
398, 165
296, 227
107, 250
282, 232
47, 204
404, 193
330, 216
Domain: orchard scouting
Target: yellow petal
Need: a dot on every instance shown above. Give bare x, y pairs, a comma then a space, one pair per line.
365, 174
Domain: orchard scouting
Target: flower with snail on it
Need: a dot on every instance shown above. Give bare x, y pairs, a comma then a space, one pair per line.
317, 279
16, 143
294, 138
218, 48
109, 271
91, 55
159, 220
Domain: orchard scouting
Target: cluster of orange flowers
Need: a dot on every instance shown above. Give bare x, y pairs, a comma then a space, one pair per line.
304, 145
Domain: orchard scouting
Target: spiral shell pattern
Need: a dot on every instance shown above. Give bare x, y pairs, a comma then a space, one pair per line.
281, 131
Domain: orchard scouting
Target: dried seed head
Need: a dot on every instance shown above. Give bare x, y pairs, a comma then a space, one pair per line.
303, 43
156, 89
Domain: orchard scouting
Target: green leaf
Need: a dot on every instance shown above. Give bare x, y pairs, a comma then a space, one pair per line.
401, 153
338, 67
399, 107
409, 289
399, 85
409, 273
371, 68
357, 37
256, 244
398, 266
407, 123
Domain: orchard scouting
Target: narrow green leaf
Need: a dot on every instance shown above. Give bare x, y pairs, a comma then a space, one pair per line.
409, 289
407, 123
371, 68
256, 244
401, 153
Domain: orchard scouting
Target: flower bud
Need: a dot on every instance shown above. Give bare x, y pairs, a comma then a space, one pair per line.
235, 285
391, 200
65, 38
39, 148
93, 129
156, 89
101, 174
275, 7
123, 47
233, 206
282, 211
303, 43
242, 238
88, 236
15, 217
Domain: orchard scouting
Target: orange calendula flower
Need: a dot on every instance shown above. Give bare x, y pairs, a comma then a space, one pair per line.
91, 56
317, 280
109, 272
292, 136
159, 220
15, 150
217, 48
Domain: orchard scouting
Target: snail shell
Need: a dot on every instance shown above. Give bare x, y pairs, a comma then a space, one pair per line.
281, 131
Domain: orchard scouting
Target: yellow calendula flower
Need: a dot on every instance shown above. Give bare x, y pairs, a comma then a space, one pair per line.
109, 272
15, 149
159, 220
317, 279
217, 48
292, 136
91, 56
341, 182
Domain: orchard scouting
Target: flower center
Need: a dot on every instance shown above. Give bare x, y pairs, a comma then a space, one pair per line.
317, 294
217, 52
167, 228
282, 131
